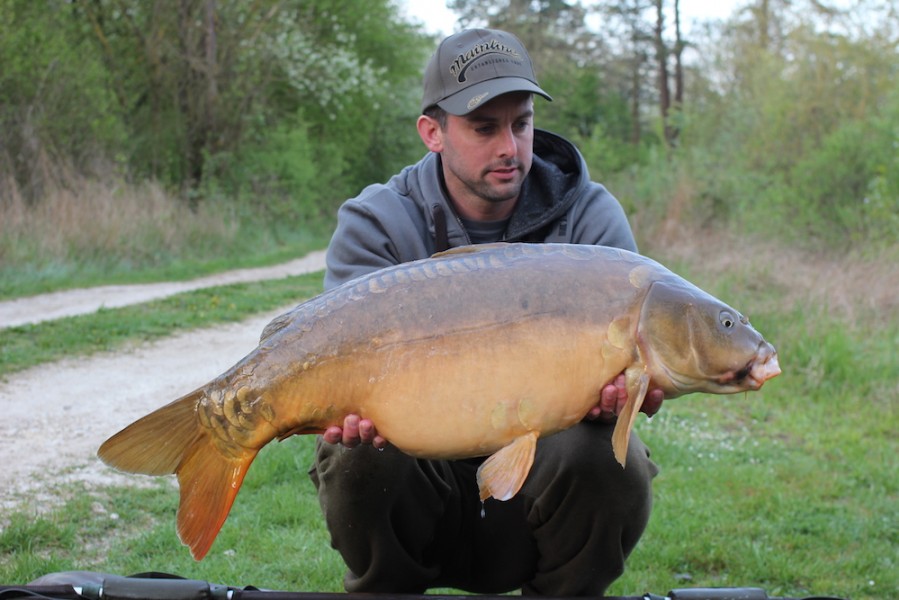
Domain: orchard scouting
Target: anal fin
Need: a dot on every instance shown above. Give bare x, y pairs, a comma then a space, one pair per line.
504, 472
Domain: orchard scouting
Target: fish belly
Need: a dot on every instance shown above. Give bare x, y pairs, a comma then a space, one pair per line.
471, 393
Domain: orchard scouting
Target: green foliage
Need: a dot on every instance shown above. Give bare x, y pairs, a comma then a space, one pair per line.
271, 113
791, 134
590, 113
371, 63
285, 177
800, 146
606, 154
177, 95
835, 178
56, 106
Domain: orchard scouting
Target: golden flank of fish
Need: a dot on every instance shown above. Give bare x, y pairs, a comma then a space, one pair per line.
501, 343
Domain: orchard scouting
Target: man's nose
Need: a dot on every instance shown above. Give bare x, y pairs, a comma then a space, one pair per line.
507, 143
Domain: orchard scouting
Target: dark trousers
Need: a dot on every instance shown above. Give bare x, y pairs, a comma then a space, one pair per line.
404, 525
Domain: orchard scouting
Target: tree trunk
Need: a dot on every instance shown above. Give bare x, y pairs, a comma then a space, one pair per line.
662, 58
211, 73
678, 65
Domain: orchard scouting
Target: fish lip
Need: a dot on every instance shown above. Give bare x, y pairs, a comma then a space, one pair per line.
765, 369
760, 368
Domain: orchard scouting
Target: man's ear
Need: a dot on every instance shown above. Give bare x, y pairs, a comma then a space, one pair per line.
431, 133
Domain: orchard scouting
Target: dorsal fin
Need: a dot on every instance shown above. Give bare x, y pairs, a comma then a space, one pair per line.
275, 325
469, 249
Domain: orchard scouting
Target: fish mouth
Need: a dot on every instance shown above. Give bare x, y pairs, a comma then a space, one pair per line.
761, 368
762, 371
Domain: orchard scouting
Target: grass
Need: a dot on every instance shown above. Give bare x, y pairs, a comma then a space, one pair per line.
794, 488
274, 537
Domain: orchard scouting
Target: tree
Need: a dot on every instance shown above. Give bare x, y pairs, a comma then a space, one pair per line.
627, 23
193, 93
57, 104
662, 59
669, 131
679, 46
790, 130
582, 67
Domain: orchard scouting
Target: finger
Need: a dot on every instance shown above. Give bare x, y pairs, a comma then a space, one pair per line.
333, 435
350, 437
379, 442
594, 413
653, 402
621, 393
608, 398
367, 431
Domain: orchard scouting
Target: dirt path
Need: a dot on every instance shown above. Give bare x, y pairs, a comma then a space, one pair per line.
55, 416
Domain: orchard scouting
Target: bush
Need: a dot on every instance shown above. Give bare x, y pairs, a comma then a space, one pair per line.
284, 175
57, 109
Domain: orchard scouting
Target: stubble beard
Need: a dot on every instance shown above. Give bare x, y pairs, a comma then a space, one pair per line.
497, 194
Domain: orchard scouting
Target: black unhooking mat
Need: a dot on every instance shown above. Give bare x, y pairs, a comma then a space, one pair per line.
87, 585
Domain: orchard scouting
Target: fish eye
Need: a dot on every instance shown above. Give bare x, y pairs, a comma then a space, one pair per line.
727, 319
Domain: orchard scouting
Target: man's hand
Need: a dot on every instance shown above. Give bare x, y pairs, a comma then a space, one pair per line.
355, 431
613, 397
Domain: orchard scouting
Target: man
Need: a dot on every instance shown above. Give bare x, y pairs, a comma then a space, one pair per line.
404, 525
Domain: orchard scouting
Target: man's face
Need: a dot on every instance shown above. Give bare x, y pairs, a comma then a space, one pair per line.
487, 154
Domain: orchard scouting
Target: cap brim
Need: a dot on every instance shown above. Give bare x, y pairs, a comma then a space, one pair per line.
472, 97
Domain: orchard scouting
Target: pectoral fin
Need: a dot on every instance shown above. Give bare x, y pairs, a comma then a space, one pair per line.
504, 472
637, 386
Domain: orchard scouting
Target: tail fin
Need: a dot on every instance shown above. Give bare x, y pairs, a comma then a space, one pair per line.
209, 483
157, 443
172, 440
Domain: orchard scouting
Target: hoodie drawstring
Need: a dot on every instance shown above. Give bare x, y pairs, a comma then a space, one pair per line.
441, 236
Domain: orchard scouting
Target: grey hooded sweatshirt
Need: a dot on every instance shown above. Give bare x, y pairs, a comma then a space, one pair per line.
410, 217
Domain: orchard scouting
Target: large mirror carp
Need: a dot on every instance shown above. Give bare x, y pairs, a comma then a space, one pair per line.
498, 344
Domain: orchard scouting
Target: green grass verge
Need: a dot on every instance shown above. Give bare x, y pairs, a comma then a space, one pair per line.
793, 489
274, 537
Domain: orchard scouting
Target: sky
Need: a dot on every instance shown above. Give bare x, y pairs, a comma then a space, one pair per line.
438, 19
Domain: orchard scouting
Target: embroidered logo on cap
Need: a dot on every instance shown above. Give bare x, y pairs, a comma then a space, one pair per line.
464, 61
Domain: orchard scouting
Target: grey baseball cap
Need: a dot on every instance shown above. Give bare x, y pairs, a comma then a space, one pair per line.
474, 66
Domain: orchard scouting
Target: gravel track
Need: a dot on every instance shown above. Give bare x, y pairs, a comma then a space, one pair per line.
56, 415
